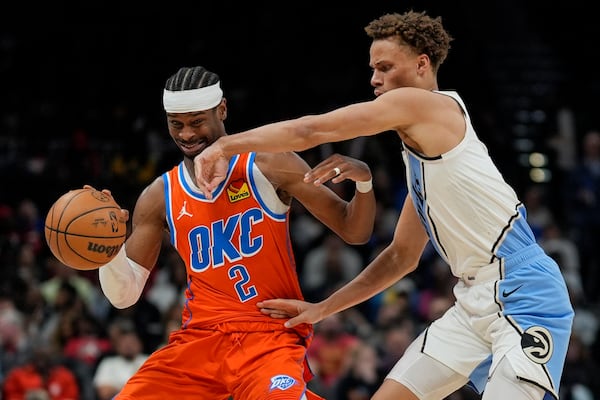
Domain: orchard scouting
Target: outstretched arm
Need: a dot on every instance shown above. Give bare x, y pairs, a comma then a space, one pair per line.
388, 111
397, 260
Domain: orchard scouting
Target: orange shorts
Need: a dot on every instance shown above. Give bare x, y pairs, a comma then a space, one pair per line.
242, 361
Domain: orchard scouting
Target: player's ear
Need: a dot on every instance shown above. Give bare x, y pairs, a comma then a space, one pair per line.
222, 109
422, 62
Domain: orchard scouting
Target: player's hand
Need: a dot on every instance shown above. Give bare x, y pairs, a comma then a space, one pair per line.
108, 193
337, 168
210, 168
298, 311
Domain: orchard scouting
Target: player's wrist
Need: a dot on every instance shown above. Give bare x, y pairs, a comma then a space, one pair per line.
364, 186
221, 147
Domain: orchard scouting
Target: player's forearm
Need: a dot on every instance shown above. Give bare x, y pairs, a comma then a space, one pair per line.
380, 274
360, 217
292, 135
122, 280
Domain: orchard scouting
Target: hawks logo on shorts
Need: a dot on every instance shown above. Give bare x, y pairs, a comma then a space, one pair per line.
537, 345
238, 190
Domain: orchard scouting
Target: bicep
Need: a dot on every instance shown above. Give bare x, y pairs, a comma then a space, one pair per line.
359, 119
410, 234
367, 119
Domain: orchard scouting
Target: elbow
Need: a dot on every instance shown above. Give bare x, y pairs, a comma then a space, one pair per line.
405, 259
412, 267
118, 296
410, 263
360, 240
121, 303
360, 236
357, 238
356, 234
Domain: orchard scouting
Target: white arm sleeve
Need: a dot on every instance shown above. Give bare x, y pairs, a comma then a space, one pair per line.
122, 280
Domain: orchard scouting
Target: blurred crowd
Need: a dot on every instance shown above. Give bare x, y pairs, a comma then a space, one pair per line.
61, 339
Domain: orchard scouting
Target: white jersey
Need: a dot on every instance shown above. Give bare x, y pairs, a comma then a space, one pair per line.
464, 202
511, 299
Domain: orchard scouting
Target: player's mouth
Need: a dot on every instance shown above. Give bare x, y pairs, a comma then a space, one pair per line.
192, 147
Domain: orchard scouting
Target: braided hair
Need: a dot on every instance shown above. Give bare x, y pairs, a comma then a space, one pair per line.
188, 78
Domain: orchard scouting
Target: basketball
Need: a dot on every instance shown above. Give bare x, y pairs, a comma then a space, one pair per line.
85, 229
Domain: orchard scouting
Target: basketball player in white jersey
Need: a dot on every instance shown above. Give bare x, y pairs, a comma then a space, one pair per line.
507, 333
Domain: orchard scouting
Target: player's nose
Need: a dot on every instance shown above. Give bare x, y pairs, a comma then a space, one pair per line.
186, 133
376, 79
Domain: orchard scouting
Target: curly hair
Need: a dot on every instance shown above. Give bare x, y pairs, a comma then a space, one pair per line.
424, 34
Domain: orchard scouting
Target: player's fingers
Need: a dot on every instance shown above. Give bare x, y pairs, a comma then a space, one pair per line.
275, 304
292, 322
105, 191
284, 307
208, 185
200, 172
125, 214
203, 185
322, 175
205, 190
274, 313
214, 183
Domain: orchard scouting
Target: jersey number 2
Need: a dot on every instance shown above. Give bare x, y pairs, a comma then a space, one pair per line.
243, 288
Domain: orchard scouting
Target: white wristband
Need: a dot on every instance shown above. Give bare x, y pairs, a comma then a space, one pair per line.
364, 187
122, 280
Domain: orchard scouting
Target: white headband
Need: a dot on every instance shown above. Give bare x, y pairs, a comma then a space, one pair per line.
201, 99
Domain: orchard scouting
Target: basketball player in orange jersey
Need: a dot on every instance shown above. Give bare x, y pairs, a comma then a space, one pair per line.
237, 252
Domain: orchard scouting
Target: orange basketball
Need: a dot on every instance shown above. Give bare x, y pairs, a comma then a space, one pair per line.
85, 229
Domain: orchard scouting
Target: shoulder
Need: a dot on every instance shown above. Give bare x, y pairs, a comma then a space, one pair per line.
436, 122
406, 106
408, 93
154, 190
416, 97
152, 198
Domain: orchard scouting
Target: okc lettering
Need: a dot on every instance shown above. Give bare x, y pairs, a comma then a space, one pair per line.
211, 245
100, 248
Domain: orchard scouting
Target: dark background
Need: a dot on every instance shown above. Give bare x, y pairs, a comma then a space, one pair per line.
81, 97
99, 67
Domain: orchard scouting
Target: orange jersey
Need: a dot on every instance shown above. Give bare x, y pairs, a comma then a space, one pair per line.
237, 251
236, 246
